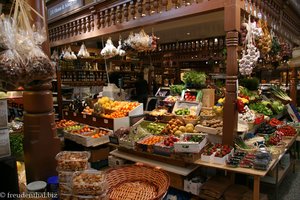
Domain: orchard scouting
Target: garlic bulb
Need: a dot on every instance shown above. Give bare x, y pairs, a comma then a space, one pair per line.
109, 50
120, 51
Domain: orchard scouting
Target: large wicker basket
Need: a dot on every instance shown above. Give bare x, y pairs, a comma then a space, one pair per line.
137, 182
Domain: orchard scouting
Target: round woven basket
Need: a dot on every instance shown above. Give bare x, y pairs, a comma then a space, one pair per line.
137, 182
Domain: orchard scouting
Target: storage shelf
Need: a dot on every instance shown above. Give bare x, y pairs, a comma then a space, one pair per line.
184, 171
281, 174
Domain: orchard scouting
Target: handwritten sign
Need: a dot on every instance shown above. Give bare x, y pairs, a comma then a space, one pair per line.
294, 114
63, 8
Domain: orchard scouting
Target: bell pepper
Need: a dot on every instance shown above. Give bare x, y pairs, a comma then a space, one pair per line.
240, 106
259, 120
244, 96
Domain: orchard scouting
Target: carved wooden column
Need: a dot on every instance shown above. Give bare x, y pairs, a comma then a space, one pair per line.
231, 25
40, 142
293, 84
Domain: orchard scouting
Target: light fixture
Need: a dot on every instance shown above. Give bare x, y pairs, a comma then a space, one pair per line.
143, 15
152, 11
188, 33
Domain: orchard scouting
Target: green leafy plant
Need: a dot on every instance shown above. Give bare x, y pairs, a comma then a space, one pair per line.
16, 144
194, 78
177, 89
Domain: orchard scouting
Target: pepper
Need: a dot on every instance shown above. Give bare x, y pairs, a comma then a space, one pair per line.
244, 96
240, 106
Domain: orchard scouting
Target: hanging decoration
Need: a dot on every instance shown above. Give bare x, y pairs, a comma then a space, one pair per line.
23, 55
264, 42
69, 54
83, 52
141, 42
120, 51
54, 56
251, 53
109, 50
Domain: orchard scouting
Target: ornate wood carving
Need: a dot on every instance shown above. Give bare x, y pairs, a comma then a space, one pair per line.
119, 14
147, 7
92, 23
107, 15
164, 4
107, 18
155, 5
126, 13
140, 7
132, 9
102, 19
113, 16
83, 27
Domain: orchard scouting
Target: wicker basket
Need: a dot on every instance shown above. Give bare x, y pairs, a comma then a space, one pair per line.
249, 150
137, 182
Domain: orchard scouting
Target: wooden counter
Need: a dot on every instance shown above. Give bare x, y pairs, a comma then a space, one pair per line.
181, 169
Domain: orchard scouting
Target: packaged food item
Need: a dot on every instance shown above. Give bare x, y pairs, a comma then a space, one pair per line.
65, 176
89, 182
109, 50
64, 188
11, 62
38, 66
83, 52
72, 160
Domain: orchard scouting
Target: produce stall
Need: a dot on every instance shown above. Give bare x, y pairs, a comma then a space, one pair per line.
188, 137
241, 130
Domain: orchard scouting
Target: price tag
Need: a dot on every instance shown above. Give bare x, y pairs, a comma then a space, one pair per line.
66, 113
94, 119
105, 121
84, 116
74, 114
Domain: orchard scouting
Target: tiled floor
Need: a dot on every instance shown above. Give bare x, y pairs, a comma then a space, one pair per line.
289, 189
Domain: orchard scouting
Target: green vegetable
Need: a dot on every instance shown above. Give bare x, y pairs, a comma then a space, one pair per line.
194, 78
177, 89
251, 94
277, 106
16, 144
184, 111
279, 93
261, 108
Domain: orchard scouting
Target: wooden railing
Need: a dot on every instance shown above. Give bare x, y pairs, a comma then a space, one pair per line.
99, 21
102, 19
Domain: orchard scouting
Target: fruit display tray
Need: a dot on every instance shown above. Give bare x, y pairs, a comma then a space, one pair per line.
190, 147
88, 141
161, 149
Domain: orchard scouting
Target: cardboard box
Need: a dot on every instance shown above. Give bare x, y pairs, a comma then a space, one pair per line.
192, 187
192, 147
176, 180
208, 99
114, 161
99, 154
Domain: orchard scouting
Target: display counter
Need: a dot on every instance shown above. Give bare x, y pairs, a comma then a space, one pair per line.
160, 161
